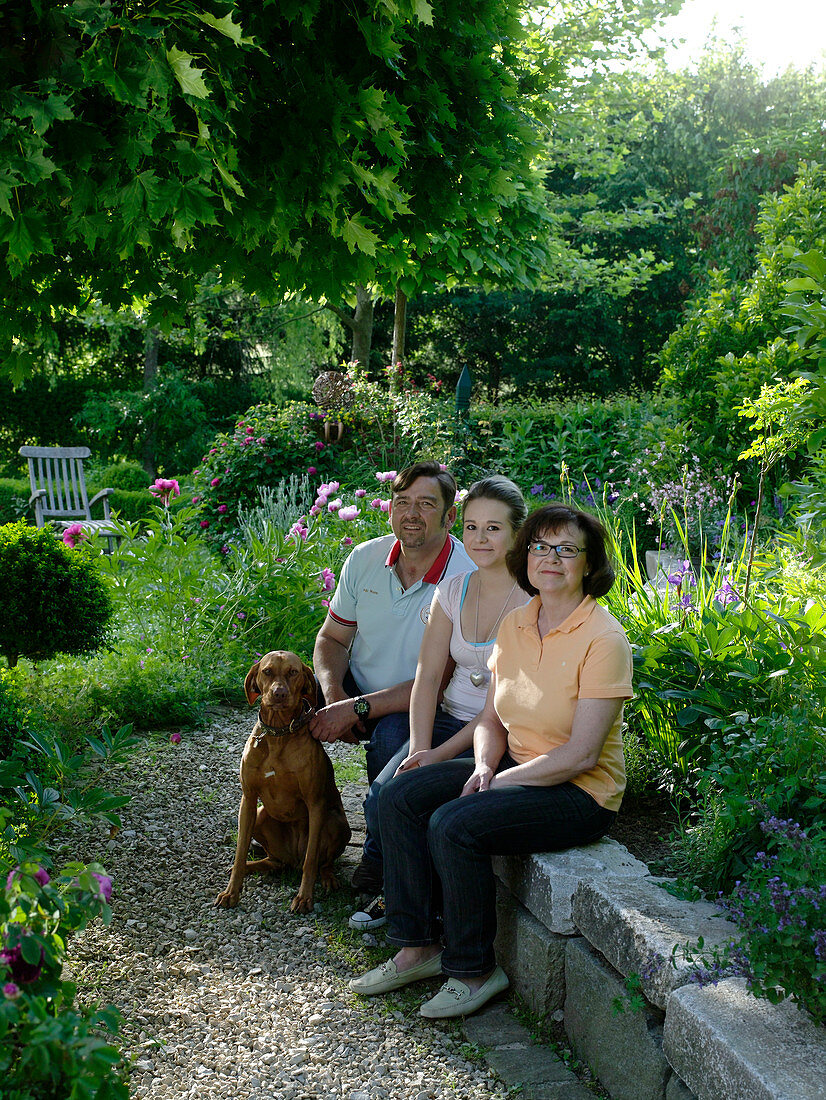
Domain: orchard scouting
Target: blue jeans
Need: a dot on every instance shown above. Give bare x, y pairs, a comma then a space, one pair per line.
444, 727
437, 848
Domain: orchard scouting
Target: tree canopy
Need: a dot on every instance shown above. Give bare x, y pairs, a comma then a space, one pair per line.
302, 142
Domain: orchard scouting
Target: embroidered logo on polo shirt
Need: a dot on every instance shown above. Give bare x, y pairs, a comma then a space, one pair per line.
424, 614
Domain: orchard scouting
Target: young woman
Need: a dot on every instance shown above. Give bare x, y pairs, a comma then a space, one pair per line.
548, 771
464, 617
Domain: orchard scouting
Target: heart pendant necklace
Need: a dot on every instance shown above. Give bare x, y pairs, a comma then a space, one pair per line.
481, 676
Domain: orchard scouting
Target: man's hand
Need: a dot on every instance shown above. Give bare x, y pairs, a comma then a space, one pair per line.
336, 722
481, 780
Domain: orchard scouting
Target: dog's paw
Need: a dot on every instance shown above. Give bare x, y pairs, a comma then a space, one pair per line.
227, 899
301, 904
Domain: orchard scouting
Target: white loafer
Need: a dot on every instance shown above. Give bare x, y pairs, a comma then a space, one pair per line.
387, 977
456, 999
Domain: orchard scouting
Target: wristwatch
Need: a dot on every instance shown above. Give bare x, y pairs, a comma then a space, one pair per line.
361, 706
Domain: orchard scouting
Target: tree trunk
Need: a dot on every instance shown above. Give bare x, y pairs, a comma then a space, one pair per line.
399, 326
360, 324
150, 382
363, 327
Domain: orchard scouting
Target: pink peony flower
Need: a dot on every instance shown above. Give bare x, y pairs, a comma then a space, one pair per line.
215, 481
196, 500
359, 493
165, 489
375, 502
298, 531
319, 446
386, 475
311, 470
222, 508
250, 429
332, 487
73, 535
315, 510
328, 579
385, 506
348, 513
334, 505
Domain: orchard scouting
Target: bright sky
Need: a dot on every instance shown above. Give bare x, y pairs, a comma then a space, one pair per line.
777, 33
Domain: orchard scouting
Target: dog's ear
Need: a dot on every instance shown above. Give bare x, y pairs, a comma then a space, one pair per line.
251, 688
310, 689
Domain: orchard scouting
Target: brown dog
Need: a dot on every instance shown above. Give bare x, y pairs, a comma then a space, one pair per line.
301, 821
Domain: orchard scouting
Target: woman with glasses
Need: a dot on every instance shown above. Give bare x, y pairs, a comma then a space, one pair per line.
547, 773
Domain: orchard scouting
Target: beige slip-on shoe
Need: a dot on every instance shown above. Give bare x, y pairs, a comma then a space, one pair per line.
456, 999
386, 978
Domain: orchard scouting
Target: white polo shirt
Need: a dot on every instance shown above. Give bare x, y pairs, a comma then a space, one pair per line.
389, 619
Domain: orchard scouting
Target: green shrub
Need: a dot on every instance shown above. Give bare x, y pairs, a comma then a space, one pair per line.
13, 714
53, 598
734, 339
121, 475
14, 499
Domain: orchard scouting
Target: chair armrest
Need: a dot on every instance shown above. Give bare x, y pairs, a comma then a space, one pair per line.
36, 495
103, 495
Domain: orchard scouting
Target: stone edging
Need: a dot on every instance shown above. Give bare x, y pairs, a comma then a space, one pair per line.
574, 925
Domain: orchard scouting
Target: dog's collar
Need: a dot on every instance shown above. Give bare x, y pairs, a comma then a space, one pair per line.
297, 723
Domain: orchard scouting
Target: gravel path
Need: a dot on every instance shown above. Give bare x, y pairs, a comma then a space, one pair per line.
250, 1003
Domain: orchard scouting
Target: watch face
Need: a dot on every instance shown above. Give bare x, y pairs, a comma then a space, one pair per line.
361, 707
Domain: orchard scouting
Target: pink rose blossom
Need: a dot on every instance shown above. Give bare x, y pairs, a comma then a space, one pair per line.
205, 523
250, 429
319, 446
10, 990
175, 738
196, 500
222, 508
311, 470
215, 481
41, 875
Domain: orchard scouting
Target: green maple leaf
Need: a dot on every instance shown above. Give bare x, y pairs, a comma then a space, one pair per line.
224, 26
189, 78
26, 236
358, 236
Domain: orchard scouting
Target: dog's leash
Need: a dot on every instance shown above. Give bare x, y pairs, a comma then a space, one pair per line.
297, 723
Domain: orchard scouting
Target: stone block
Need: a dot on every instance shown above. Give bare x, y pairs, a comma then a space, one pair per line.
633, 921
534, 1070
723, 1042
677, 1089
623, 1050
533, 957
545, 883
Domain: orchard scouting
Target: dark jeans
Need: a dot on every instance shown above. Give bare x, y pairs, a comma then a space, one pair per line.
444, 727
437, 850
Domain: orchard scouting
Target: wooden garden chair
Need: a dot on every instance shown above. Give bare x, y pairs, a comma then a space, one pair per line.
58, 486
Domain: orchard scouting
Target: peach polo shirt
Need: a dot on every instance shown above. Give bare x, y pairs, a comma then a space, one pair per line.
539, 683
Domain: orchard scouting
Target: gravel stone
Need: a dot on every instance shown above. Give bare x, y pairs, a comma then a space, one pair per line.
251, 1003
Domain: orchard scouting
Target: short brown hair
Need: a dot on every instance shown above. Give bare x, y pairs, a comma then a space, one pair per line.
447, 483
546, 520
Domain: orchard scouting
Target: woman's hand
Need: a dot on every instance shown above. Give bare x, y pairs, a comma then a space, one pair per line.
417, 760
481, 780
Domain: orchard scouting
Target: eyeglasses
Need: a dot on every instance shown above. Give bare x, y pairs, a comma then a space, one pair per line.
563, 550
